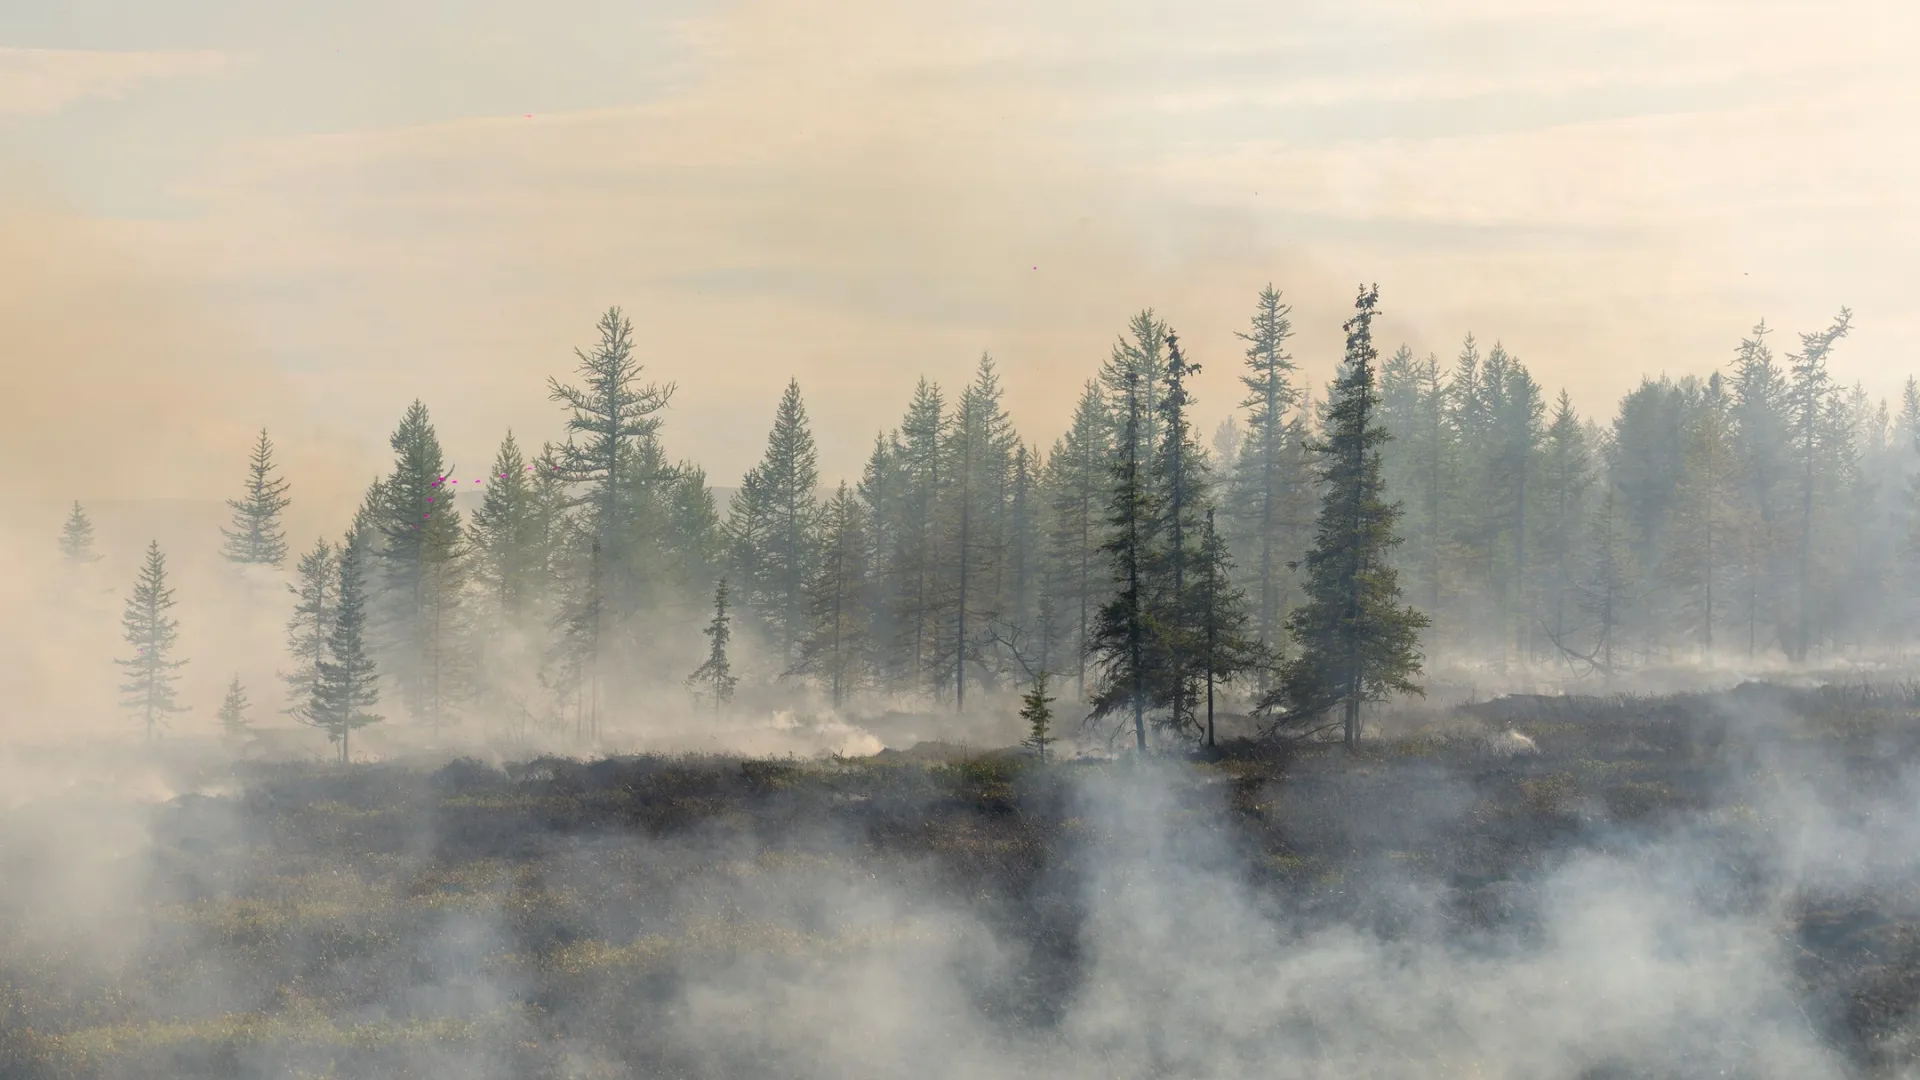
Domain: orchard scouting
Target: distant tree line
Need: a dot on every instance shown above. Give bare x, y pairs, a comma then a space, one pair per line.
1761, 510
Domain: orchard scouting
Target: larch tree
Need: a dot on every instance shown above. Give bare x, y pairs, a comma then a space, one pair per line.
154, 635
76, 538
611, 414
1356, 641
256, 536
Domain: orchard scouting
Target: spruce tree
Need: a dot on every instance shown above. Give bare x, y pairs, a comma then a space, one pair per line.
506, 537
781, 556
1762, 449
347, 682
915, 564
979, 460
716, 673
316, 601
1180, 496
835, 650
1356, 642
421, 575
76, 538
1696, 557
1609, 588
1035, 710
1078, 481
233, 710
1566, 475
1120, 643
256, 536
1229, 648
1811, 396
1261, 475
1138, 360
154, 635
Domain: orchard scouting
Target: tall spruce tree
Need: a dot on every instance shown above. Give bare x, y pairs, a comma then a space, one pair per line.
420, 578
316, 601
76, 538
1139, 357
1262, 473
1356, 642
1228, 648
716, 672
507, 538
1696, 557
1566, 476
778, 497
836, 650
1180, 496
256, 536
1811, 398
1762, 449
979, 460
347, 682
1078, 481
919, 548
1120, 643
154, 635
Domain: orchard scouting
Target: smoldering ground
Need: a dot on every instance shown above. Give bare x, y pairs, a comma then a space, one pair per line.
1714, 885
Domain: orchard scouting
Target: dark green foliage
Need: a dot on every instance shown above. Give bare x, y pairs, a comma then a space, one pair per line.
76, 538
1036, 710
256, 536
1120, 644
154, 635
1357, 643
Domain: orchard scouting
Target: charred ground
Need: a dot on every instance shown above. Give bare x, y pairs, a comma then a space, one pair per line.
559, 917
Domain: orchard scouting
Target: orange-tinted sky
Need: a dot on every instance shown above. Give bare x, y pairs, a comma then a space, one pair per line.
220, 215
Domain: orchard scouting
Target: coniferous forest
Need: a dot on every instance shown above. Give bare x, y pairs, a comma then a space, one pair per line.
1321, 550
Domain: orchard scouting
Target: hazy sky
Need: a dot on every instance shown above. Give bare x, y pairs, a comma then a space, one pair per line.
219, 214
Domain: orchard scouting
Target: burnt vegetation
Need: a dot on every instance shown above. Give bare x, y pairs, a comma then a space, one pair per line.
397, 919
